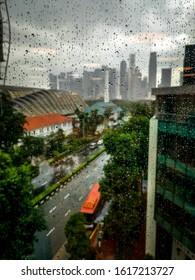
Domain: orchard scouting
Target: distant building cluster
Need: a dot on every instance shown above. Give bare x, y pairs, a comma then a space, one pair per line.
126, 83
90, 86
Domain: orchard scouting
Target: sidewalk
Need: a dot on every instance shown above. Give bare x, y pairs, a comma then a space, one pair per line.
61, 254
108, 248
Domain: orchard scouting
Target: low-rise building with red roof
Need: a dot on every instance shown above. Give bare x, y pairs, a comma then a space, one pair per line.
44, 125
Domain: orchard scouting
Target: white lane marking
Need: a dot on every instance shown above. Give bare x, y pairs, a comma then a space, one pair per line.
52, 209
87, 176
80, 198
91, 186
50, 231
66, 196
67, 213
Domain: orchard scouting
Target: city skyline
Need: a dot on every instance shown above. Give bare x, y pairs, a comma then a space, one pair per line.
82, 35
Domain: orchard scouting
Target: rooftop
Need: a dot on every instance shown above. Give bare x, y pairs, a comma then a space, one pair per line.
101, 107
179, 90
44, 121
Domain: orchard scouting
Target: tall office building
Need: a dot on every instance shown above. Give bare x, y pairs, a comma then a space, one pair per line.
113, 83
106, 87
62, 81
144, 87
131, 78
152, 71
137, 94
52, 81
166, 77
189, 65
170, 223
123, 80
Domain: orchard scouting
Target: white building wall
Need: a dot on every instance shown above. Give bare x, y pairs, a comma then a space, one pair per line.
150, 222
45, 131
180, 252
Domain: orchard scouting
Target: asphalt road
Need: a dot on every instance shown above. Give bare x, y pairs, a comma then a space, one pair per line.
59, 206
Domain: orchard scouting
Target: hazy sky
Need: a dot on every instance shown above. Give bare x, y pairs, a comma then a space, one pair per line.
53, 36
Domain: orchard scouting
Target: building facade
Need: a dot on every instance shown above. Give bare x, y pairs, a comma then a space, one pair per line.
170, 226
189, 65
41, 126
123, 80
53, 81
166, 74
152, 71
131, 78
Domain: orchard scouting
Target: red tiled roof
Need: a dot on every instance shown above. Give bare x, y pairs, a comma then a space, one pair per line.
36, 122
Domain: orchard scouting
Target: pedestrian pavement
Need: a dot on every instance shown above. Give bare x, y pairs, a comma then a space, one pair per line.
107, 250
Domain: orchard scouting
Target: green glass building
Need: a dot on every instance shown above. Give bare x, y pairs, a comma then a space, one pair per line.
170, 229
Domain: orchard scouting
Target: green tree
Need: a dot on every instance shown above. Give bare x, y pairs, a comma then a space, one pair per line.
142, 109
121, 183
18, 219
107, 115
78, 243
55, 143
11, 125
139, 126
88, 122
32, 146
124, 221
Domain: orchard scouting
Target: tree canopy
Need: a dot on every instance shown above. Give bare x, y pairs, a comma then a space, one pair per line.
89, 122
128, 148
18, 219
11, 125
78, 243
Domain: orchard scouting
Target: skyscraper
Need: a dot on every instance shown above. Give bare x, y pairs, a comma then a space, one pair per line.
52, 81
152, 71
62, 81
189, 65
106, 87
113, 83
166, 77
131, 80
123, 79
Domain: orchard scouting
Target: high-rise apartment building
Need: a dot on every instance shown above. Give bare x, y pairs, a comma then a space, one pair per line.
166, 77
152, 71
170, 226
189, 65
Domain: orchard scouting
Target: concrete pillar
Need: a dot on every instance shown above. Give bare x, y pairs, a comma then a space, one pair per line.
152, 158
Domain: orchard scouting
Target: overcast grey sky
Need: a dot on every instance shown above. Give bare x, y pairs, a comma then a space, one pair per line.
53, 36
